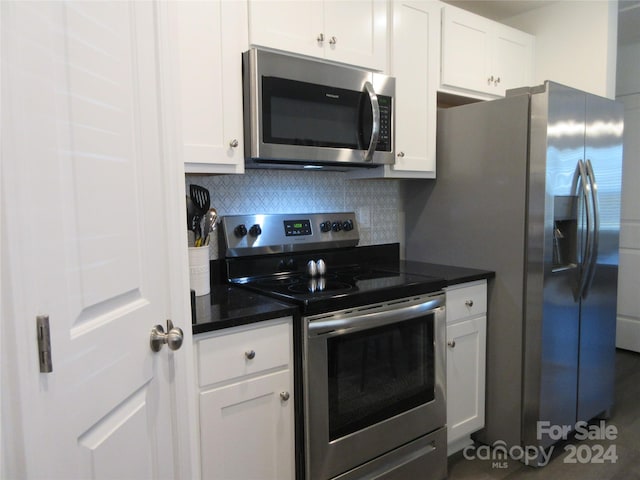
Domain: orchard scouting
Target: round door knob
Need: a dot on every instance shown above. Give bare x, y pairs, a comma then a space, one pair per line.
400, 154
451, 343
469, 303
284, 396
333, 41
233, 143
250, 354
173, 339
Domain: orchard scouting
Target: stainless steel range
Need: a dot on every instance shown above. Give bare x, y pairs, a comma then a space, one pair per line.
370, 343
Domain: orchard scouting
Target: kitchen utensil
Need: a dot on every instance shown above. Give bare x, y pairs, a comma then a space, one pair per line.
191, 212
202, 201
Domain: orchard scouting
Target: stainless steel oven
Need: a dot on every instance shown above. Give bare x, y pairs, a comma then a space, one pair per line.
374, 381
368, 344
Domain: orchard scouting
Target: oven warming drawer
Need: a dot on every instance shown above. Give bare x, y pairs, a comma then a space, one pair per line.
424, 456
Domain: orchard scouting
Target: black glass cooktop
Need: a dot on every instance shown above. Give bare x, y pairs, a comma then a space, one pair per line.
343, 288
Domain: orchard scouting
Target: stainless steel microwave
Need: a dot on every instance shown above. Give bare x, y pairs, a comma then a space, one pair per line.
301, 113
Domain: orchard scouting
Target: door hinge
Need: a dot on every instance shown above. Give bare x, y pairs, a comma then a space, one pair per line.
44, 343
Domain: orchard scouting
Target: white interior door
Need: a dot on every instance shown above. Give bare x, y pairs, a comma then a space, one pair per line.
87, 243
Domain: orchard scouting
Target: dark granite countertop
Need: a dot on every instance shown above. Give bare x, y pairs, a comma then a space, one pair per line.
453, 275
228, 306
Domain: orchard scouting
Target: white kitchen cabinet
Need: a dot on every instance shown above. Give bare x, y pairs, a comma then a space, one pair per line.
482, 58
466, 353
414, 41
346, 31
207, 41
246, 402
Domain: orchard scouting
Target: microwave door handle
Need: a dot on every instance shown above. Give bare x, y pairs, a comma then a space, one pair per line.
375, 127
596, 227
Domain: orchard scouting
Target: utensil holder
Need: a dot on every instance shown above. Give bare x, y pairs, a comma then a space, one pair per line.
199, 278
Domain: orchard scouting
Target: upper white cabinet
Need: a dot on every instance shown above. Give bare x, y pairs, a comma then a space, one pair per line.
346, 31
207, 42
414, 61
483, 58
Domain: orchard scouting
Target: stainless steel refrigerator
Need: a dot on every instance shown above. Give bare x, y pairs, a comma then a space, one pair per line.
529, 186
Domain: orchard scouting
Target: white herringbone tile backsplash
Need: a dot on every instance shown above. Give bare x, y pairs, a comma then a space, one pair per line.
376, 202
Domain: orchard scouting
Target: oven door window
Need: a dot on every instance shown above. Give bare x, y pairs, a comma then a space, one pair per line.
300, 113
378, 373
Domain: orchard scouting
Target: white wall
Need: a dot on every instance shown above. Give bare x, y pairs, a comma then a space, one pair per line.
628, 90
576, 43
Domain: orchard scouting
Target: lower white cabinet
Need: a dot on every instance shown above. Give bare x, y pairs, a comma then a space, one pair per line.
247, 414
466, 355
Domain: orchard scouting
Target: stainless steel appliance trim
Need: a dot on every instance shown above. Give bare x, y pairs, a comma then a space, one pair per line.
257, 63
375, 127
325, 458
596, 227
348, 321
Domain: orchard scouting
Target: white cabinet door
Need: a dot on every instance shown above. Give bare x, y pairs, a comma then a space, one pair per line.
346, 31
466, 44
208, 40
481, 57
247, 429
465, 377
414, 62
289, 26
512, 60
355, 32
88, 243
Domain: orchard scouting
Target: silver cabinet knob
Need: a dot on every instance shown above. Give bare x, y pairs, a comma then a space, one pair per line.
320, 37
284, 396
333, 41
173, 338
233, 143
469, 303
400, 154
451, 343
250, 354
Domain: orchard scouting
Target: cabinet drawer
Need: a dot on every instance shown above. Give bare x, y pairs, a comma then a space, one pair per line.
466, 300
235, 354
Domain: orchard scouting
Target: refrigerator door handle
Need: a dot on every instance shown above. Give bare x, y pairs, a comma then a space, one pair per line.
596, 227
581, 175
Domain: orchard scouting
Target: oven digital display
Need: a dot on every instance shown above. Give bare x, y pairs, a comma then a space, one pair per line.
296, 228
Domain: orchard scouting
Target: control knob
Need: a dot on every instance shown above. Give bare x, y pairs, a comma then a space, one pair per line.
240, 230
325, 227
336, 226
255, 230
347, 225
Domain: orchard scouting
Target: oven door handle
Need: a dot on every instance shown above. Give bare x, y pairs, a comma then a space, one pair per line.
340, 324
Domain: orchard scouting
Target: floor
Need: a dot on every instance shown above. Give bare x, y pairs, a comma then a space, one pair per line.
626, 446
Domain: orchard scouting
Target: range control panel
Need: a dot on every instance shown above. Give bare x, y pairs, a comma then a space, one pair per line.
283, 232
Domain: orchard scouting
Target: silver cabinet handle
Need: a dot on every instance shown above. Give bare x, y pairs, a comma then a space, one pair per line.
333, 41
400, 154
233, 143
497, 81
250, 354
320, 37
284, 396
451, 343
375, 127
490, 80
173, 338
469, 303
